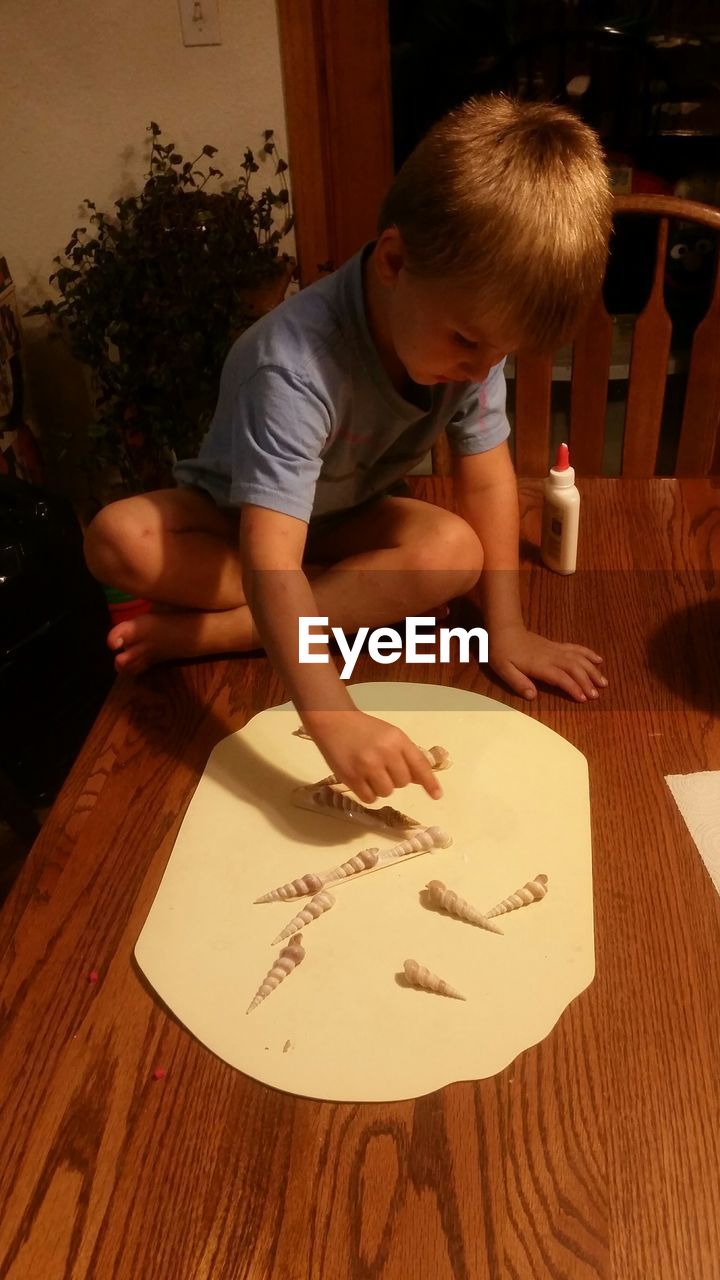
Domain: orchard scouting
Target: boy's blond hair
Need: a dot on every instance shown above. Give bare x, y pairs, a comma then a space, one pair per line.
511, 200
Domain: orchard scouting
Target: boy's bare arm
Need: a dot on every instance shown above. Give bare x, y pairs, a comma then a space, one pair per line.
369, 755
486, 490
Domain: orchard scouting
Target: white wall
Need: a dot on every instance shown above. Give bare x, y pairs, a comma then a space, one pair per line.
81, 81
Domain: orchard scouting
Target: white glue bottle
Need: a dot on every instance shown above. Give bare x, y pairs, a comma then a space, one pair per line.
561, 515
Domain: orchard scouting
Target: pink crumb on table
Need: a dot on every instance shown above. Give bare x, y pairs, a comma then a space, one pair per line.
93, 976
159, 1073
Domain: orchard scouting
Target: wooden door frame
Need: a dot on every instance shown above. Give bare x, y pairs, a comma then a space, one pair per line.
335, 57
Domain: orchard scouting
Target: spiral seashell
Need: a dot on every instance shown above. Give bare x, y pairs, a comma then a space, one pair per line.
419, 842
289, 958
418, 976
393, 819
365, 860
313, 882
441, 839
317, 906
533, 891
437, 895
437, 757
332, 782
309, 883
324, 799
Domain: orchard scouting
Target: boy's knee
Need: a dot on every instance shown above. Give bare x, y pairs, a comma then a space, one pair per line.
450, 547
112, 543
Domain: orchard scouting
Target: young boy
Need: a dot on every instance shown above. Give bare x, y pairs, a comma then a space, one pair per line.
493, 236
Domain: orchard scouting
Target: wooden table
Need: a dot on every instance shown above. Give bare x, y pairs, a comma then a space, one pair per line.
596, 1154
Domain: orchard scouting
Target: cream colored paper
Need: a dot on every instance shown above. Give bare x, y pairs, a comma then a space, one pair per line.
342, 1026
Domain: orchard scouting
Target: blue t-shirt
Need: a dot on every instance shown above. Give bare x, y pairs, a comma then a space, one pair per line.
308, 421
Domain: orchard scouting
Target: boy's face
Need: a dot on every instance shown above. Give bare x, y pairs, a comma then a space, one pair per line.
432, 328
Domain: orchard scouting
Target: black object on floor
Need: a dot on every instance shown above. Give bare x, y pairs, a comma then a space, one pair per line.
55, 668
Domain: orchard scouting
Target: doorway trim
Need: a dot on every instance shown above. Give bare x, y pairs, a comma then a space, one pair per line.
335, 58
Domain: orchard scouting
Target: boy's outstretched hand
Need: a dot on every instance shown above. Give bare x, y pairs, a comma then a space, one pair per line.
369, 755
516, 654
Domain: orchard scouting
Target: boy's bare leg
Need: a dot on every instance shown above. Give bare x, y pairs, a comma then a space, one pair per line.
396, 557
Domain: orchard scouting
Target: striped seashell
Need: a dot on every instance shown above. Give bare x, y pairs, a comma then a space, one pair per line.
309, 883
313, 882
418, 976
289, 958
323, 799
437, 895
317, 906
441, 839
437, 757
419, 842
365, 860
533, 891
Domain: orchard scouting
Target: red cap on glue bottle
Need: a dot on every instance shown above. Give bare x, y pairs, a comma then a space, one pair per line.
562, 474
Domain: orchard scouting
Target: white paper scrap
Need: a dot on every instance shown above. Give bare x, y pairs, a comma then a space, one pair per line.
697, 796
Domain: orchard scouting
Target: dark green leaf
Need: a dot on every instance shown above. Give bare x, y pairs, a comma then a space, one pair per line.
150, 299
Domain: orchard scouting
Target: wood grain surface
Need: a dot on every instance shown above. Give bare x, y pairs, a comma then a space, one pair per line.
595, 1154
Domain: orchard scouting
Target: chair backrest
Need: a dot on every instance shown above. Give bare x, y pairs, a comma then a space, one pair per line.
698, 452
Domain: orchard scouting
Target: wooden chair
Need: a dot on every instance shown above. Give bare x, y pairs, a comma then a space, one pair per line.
699, 446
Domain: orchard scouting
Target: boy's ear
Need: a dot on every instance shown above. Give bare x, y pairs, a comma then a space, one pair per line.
389, 255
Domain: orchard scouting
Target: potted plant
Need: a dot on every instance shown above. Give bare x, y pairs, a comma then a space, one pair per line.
153, 296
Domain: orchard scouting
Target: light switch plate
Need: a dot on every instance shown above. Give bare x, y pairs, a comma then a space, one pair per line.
200, 21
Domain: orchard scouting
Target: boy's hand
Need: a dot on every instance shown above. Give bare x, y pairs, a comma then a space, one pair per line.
369, 755
516, 654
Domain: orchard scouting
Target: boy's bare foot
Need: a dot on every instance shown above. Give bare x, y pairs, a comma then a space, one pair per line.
157, 637
165, 633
